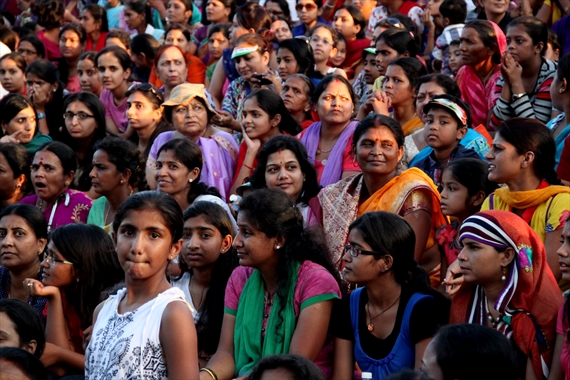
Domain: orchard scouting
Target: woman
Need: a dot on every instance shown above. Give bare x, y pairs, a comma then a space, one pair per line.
560, 95
309, 13
217, 12
179, 11
94, 21
482, 44
138, 18
23, 238
114, 177
508, 287
281, 28
52, 171
46, 91
350, 22
190, 113
170, 68
23, 327
278, 8
283, 164
19, 123
14, 173
297, 92
218, 41
31, 48
84, 117
13, 73
386, 324
522, 157
390, 8
50, 16
88, 74
279, 300
329, 141
72, 39
294, 57
377, 146
523, 89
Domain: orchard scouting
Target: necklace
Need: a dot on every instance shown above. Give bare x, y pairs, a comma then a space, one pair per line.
197, 305
370, 324
493, 321
319, 151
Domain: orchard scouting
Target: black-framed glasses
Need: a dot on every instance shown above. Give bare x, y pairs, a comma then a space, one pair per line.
80, 116
355, 251
146, 87
51, 260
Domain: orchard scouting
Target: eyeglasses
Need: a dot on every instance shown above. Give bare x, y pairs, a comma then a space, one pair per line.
309, 7
275, 13
27, 52
80, 116
354, 251
146, 87
52, 260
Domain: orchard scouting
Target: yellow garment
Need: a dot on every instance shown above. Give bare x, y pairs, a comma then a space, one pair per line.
525, 199
412, 125
378, 83
556, 12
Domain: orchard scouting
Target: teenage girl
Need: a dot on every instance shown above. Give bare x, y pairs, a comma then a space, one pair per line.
88, 74
148, 321
323, 41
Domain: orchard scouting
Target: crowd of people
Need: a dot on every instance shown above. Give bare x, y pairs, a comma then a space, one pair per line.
289, 189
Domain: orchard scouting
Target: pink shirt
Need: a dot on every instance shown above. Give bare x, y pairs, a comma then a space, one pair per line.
562, 328
116, 113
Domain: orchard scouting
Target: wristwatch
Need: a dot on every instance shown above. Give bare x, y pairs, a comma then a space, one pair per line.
41, 115
518, 96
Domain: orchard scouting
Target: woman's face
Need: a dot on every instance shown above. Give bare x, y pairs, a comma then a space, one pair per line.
504, 161
38, 89
80, 129
177, 38
69, 45
344, 24
322, 44
13, 79
20, 249
104, 176
480, 263
176, 12
171, 68
307, 11
111, 73
335, 104
141, 112
28, 51
251, 63
216, 44
236, 31
8, 184
397, 86
425, 93
281, 29
11, 338
203, 243
496, 6
283, 172
256, 122
24, 121
377, 151
190, 119
57, 274
216, 12
89, 23
133, 19
89, 77
520, 46
295, 95
385, 55
172, 176
273, 9
254, 248
564, 252
48, 177
473, 51
362, 268
286, 63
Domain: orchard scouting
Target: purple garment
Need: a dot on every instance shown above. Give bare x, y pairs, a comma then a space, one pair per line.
71, 207
333, 167
219, 155
561, 28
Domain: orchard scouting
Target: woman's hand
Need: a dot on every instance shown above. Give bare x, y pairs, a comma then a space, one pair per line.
253, 145
381, 103
13, 138
427, 19
226, 120
511, 71
40, 98
453, 279
274, 79
37, 289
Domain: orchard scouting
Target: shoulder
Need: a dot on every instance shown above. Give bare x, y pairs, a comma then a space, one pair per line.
29, 200
239, 277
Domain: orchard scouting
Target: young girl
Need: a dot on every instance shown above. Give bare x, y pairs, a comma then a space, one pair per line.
72, 39
13, 73
464, 187
114, 65
138, 17
294, 57
350, 22
340, 55
88, 74
148, 234
218, 41
94, 20
207, 260
323, 41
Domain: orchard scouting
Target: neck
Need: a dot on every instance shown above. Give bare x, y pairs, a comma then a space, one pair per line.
167, 90
117, 197
394, 6
83, 146
495, 17
272, 133
141, 291
383, 292
374, 183
441, 155
145, 134
17, 277
493, 291
524, 182
95, 37
299, 116
72, 64
322, 67
182, 198
310, 25
202, 276
331, 132
14, 199
404, 112
269, 276
120, 91
483, 69
141, 28
531, 69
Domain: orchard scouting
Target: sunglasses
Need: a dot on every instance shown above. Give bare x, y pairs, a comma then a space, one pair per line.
309, 7
146, 87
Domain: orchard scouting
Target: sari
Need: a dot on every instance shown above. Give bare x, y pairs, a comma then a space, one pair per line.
530, 301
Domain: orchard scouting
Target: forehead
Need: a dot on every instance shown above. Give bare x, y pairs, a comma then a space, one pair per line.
145, 219
109, 58
139, 97
176, 33
322, 32
8, 62
28, 111
69, 34
395, 70
471, 33
251, 103
218, 36
380, 133
431, 87
169, 53
381, 45
285, 155
516, 30
167, 155
46, 157
440, 112
14, 221
280, 23
343, 13
284, 51
77, 106
26, 45
296, 82
85, 64
100, 155
336, 87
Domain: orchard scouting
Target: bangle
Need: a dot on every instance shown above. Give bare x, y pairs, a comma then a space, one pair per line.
210, 372
249, 167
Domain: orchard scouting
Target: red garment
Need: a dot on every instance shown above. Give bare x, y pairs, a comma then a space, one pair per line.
306, 124
100, 43
241, 158
52, 49
353, 58
196, 72
445, 238
73, 323
563, 169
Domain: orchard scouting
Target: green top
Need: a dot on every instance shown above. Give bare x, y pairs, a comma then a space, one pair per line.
37, 141
97, 214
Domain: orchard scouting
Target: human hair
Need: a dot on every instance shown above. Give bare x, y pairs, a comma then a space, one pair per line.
146, 44
311, 186
302, 53
531, 135
461, 348
219, 28
121, 35
563, 71
318, 3
49, 13
534, 27
253, 16
34, 218
487, 35
11, 105
63, 152
121, 54
140, 7
158, 202
455, 43
274, 214
227, 4
473, 174
88, 56
284, 5
447, 83
255, 39
18, 158
125, 156
454, 10
333, 32
187, 4
323, 85
27, 323
298, 366
378, 121
181, 27
29, 364
36, 43
212, 312
357, 18
99, 14
189, 155
8, 37
412, 67
457, 101
272, 104
553, 40
400, 40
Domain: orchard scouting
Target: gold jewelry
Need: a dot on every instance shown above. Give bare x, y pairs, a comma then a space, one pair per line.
210, 372
370, 324
561, 90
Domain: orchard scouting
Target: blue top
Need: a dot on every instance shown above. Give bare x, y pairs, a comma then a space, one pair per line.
301, 29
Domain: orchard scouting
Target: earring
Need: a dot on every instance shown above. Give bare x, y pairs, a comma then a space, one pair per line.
504, 277
561, 90
121, 182
54, 90
190, 180
18, 186
278, 247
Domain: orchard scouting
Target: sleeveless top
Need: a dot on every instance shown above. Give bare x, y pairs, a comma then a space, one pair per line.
403, 353
127, 346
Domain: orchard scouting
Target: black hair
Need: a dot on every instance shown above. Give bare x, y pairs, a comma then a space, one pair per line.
189, 155
146, 44
94, 256
63, 152
125, 156
140, 7
272, 104
36, 43
412, 67
455, 43
121, 35
318, 3
563, 71
219, 28
323, 84
181, 27
27, 323
299, 367
18, 158
302, 52
378, 121
531, 135
488, 36
454, 10
457, 101
473, 174
253, 16
99, 13
357, 18
11, 105
461, 348
17, 58
29, 364
553, 41
34, 218
8, 37
227, 4
400, 40
447, 83
121, 54
535, 28
88, 56
284, 5
311, 186
208, 325
49, 13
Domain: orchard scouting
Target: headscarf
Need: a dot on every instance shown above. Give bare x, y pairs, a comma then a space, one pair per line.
530, 301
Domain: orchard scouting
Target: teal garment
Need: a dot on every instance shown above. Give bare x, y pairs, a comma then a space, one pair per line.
562, 135
157, 20
196, 14
36, 142
97, 212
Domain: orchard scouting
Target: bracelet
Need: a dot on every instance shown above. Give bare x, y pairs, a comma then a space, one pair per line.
210, 372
